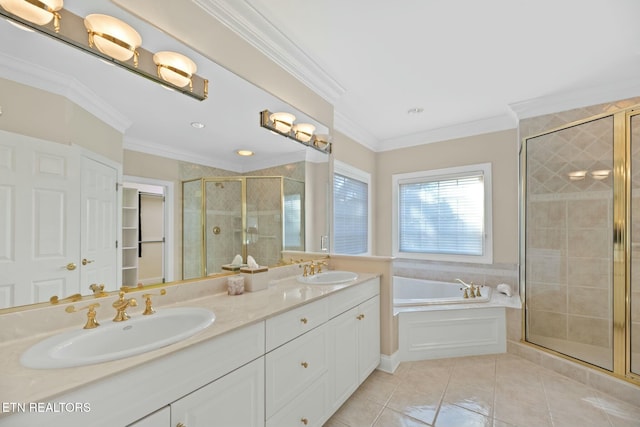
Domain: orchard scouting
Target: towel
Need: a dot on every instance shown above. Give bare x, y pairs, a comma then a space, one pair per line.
251, 263
237, 260
504, 288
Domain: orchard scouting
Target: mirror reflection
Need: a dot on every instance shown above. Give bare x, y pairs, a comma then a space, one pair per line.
73, 130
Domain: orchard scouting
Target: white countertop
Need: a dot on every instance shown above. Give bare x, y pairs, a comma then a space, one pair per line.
25, 385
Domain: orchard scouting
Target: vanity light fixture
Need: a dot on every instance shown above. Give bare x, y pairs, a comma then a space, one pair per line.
109, 39
283, 123
39, 12
175, 68
600, 174
303, 131
113, 37
577, 175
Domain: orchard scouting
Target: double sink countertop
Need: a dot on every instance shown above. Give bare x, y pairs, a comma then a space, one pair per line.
21, 384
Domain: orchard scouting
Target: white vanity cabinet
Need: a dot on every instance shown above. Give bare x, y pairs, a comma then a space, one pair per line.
159, 418
235, 400
308, 375
355, 343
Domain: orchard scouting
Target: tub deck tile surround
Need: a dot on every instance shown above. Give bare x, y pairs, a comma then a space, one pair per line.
503, 390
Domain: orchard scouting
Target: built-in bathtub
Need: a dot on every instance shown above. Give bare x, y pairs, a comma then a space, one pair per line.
417, 292
436, 321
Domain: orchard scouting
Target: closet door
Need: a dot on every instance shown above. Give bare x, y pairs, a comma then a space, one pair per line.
39, 220
99, 212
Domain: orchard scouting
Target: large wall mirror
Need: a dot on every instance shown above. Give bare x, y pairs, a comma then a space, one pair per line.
85, 126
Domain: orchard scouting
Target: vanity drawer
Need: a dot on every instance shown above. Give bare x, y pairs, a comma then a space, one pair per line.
346, 299
309, 409
293, 367
287, 326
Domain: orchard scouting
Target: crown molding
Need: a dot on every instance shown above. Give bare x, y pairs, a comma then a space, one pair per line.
582, 97
243, 165
35, 75
459, 130
243, 19
346, 126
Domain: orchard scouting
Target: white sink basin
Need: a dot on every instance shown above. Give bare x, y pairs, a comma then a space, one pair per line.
332, 277
117, 340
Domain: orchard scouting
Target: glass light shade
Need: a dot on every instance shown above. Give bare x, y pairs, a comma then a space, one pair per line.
304, 131
112, 37
174, 68
32, 12
282, 121
322, 140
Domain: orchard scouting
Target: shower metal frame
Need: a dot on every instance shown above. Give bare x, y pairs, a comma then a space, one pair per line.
621, 239
243, 194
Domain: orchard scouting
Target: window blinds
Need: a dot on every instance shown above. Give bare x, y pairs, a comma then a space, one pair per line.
442, 215
350, 215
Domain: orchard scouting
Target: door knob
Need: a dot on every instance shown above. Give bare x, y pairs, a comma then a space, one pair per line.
87, 261
71, 266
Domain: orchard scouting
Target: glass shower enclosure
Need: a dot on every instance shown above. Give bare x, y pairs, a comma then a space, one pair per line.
245, 215
580, 244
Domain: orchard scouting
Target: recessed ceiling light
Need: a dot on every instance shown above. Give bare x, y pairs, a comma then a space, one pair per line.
197, 125
416, 110
244, 153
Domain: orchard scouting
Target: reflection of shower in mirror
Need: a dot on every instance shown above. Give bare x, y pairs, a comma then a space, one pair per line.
252, 234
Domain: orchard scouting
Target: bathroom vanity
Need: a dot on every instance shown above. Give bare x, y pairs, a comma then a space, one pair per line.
286, 356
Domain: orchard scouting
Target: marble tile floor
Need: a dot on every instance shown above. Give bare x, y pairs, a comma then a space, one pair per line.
502, 390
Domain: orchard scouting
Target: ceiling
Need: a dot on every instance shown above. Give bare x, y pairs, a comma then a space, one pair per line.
471, 67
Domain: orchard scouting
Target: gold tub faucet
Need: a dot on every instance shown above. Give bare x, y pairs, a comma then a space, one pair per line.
121, 304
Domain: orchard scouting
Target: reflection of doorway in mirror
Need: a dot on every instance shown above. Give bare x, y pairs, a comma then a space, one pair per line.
151, 259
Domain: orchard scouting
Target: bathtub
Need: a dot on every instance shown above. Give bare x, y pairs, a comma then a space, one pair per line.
435, 321
416, 292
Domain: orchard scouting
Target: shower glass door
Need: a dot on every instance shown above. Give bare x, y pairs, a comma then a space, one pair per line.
569, 216
223, 223
634, 285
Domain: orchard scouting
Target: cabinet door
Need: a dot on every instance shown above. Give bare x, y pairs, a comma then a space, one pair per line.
344, 374
161, 418
369, 336
235, 400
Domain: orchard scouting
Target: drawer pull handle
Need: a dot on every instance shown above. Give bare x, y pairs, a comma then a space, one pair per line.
304, 320
304, 365
181, 425
304, 421
360, 317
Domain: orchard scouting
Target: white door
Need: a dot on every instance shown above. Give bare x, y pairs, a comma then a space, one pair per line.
39, 220
98, 251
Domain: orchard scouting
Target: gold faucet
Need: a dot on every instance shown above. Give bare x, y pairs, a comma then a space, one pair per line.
91, 314
73, 298
98, 290
121, 305
320, 264
148, 308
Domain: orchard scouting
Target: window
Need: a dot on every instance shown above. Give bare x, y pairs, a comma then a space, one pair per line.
351, 202
444, 214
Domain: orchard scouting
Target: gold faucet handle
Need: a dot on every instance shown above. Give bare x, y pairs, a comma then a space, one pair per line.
320, 264
148, 307
91, 314
128, 289
73, 298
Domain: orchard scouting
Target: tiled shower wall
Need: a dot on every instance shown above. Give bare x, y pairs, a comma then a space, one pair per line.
569, 227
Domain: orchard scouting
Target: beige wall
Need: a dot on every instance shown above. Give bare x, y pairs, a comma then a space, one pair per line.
40, 114
498, 148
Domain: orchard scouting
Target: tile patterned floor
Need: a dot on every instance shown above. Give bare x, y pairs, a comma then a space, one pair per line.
489, 391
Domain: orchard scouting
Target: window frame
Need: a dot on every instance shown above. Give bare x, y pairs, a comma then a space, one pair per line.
352, 172
437, 175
